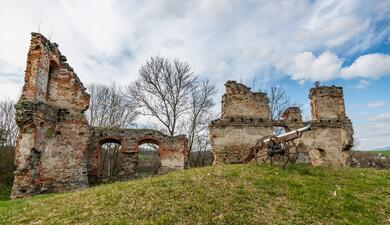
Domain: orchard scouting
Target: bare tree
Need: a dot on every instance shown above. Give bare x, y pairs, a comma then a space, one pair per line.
202, 156
170, 92
109, 107
163, 89
8, 127
200, 115
279, 101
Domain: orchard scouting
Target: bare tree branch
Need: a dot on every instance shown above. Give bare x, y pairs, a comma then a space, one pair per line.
109, 107
8, 127
162, 91
279, 101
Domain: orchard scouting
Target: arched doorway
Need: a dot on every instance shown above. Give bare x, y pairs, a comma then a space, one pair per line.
109, 159
148, 158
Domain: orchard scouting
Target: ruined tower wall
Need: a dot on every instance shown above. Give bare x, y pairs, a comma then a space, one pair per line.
53, 132
331, 136
240, 102
327, 103
245, 117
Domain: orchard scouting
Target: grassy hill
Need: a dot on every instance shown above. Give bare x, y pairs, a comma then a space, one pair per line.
230, 194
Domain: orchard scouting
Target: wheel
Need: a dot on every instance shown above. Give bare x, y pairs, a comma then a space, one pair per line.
271, 149
261, 148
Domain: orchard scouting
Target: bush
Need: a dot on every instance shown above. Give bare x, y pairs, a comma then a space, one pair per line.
7, 168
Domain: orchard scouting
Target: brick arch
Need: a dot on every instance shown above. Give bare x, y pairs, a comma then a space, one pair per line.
100, 142
109, 139
173, 151
150, 139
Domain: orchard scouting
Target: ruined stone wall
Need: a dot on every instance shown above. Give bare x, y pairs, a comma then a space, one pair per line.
53, 132
244, 118
331, 136
173, 151
240, 102
327, 103
56, 149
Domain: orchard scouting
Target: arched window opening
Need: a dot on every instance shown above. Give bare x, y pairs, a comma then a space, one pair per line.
148, 159
52, 71
109, 160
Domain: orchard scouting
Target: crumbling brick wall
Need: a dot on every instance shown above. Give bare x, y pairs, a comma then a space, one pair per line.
56, 149
53, 132
173, 151
245, 117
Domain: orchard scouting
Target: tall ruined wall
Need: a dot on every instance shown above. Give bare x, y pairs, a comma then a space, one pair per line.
53, 132
331, 136
327, 103
56, 149
245, 117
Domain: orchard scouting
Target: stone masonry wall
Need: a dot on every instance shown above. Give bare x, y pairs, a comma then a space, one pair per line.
240, 102
53, 132
173, 151
56, 149
331, 136
245, 117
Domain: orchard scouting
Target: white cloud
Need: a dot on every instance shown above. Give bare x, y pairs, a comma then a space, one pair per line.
108, 40
362, 84
381, 117
375, 132
368, 66
376, 104
308, 67
327, 66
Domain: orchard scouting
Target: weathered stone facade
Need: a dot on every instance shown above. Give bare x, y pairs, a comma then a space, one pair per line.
246, 118
56, 149
53, 132
173, 151
331, 136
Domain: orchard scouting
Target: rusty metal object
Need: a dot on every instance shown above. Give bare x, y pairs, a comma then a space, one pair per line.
277, 149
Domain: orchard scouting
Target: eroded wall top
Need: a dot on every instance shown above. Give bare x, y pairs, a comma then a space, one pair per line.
327, 102
240, 102
50, 79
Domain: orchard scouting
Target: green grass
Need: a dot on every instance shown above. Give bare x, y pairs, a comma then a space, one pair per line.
229, 194
386, 152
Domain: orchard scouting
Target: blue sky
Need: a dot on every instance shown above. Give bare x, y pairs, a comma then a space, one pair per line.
291, 43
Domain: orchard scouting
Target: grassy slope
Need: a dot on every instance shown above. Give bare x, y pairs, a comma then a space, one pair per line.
230, 194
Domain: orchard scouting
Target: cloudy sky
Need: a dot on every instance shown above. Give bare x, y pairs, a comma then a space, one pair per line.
287, 43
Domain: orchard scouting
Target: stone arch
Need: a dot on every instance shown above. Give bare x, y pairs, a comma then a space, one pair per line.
173, 151
152, 164
149, 139
108, 154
